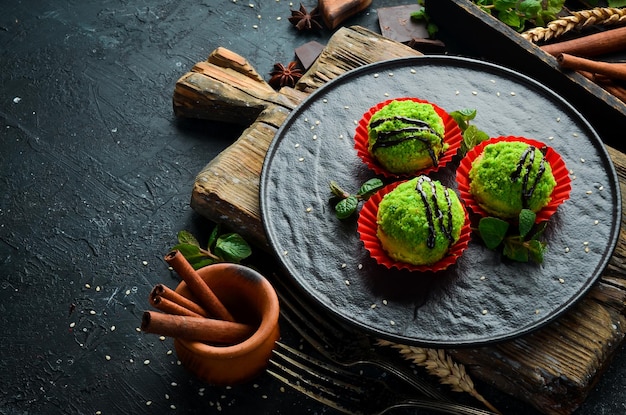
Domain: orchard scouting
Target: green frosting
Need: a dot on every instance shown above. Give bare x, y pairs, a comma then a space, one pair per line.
414, 226
503, 181
406, 151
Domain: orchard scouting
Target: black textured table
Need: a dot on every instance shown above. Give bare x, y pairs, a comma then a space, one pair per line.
95, 182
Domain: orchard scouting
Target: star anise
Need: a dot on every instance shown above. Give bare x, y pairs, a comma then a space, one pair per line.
304, 20
285, 76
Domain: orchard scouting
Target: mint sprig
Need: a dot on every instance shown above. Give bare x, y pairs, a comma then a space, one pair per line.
348, 203
472, 136
226, 247
522, 244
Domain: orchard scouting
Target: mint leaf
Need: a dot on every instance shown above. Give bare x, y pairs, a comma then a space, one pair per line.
369, 188
346, 207
526, 221
492, 231
185, 237
231, 247
194, 255
213, 237
514, 249
536, 250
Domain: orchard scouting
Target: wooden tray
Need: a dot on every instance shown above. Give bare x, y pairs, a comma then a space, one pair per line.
552, 368
494, 41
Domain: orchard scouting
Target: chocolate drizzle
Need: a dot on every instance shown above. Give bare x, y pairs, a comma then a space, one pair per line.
394, 137
525, 164
434, 213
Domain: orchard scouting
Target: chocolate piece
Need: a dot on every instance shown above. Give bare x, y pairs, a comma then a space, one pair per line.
396, 24
308, 53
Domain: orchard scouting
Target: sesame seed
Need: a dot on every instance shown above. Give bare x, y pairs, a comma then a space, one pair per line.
373, 306
393, 323
279, 18
282, 389
561, 280
386, 94
146, 362
138, 329
558, 119
174, 384
346, 107
601, 188
347, 282
162, 338
127, 292
566, 249
587, 250
254, 26
87, 286
498, 93
297, 145
588, 192
595, 222
537, 311
169, 352
72, 325
301, 159
98, 288
484, 312
582, 160
376, 75
314, 136
456, 92
474, 92
92, 312
309, 209
483, 278
144, 263
344, 265
513, 94
148, 403
390, 73
360, 266
385, 302
107, 357
325, 100
413, 71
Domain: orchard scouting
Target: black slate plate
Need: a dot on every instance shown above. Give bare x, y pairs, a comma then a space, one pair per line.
482, 298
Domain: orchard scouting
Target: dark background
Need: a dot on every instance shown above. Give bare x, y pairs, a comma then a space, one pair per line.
95, 182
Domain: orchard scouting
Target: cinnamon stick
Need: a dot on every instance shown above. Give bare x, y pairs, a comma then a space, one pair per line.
611, 70
195, 328
607, 84
207, 299
608, 41
168, 306
165, 293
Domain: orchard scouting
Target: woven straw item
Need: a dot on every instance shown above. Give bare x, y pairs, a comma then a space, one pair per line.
603, 16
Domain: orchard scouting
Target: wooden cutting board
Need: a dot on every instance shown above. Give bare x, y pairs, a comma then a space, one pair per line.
553, 368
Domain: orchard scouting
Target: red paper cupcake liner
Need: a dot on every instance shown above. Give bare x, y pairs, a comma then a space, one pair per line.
560, 193
367, 227
452, 136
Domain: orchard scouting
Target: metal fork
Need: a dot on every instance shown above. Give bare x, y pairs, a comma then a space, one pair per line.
346, 391
342, 344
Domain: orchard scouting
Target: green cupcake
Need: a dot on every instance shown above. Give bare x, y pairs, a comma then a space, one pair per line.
419, 221
510, 176
406, 136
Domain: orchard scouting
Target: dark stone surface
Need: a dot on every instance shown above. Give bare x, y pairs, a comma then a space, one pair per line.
95, 182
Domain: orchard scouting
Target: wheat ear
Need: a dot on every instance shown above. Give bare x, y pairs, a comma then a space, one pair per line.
438, 363
605, 16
